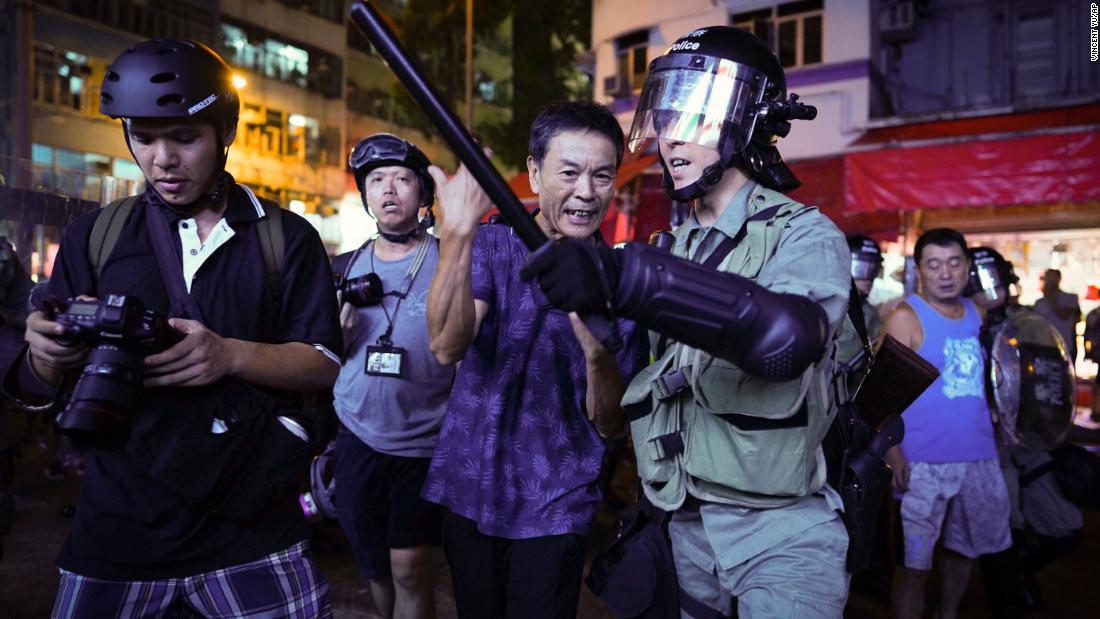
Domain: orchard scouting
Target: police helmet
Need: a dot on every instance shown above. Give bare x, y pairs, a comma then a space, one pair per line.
385, 149
722, 88
989, 273
866, 257
170, 78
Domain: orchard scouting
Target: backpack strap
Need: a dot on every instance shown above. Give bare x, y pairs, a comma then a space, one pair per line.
272, 242
105, 232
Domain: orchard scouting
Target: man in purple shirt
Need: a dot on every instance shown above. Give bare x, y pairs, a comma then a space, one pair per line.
520, 448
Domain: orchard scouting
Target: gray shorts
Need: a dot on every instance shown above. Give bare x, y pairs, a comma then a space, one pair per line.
967, 501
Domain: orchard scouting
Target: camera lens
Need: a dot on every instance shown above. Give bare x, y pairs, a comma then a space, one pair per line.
363, 290
104, 395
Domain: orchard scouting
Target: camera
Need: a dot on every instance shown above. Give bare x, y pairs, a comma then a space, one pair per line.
361, 291
121, 332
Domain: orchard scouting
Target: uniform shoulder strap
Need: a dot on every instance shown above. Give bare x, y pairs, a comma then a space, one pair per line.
105, 232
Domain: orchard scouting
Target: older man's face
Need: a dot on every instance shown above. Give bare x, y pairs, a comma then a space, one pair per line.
575, 182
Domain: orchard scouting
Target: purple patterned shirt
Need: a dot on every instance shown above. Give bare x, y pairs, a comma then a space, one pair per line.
517, 453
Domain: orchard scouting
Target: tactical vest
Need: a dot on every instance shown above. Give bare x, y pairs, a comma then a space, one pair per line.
741, 439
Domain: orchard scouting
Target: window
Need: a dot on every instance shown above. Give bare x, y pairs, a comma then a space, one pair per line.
631, 63
1035, 54
268, 55
793, 30
289, 137
61, 78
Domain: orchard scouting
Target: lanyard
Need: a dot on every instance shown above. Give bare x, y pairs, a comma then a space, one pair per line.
421, 253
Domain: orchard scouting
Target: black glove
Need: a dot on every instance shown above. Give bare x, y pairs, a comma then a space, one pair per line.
576, 275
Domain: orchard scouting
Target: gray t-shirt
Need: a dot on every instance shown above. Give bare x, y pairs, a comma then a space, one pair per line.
397, 416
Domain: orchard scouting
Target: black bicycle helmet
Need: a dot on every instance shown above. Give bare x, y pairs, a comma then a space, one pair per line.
385, 149
170, 78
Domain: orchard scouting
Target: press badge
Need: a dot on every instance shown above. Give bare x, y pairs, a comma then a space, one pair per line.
385, 361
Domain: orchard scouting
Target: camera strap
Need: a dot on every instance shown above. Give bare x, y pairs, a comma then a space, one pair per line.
421, 253
171, 270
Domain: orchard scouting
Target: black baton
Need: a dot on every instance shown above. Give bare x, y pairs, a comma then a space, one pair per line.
458, 138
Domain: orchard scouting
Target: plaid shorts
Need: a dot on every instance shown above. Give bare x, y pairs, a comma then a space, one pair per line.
283, 584
965, 501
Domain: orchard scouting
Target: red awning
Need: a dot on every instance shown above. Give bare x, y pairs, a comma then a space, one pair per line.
1058, 168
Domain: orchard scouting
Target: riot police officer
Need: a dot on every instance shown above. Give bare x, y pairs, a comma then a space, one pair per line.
1045, 524
743, 309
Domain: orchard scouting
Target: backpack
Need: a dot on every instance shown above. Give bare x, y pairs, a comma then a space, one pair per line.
108, 226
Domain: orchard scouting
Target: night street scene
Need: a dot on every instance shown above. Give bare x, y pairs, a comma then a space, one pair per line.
477, 309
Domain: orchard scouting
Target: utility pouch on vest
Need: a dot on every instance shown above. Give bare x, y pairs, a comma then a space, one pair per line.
636, 574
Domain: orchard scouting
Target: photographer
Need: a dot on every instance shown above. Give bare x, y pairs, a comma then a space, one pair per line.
392, 393
189, 508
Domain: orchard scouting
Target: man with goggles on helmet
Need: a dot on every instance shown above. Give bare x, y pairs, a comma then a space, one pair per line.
392, 392
728, 421
180, 515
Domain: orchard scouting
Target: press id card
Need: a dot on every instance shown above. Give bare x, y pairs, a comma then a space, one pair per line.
385, 361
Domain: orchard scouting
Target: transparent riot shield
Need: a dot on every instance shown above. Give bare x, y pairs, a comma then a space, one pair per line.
1032, 381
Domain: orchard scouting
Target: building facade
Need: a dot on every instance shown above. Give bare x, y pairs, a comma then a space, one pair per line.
309, 88
981, 115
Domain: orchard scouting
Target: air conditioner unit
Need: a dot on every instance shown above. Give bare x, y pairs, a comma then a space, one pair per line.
613, 86
898, 21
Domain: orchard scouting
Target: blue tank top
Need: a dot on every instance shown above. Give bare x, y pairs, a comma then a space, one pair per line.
950, 421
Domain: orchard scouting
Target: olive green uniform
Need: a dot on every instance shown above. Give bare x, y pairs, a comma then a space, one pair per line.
754, 519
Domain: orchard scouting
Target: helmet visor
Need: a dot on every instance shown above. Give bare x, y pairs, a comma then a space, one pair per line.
862, 268
986, 278
698, 99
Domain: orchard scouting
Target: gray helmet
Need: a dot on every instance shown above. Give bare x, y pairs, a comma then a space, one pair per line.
723, 88
170, 78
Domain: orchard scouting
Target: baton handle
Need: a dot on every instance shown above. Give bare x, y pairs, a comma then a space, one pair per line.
370, 21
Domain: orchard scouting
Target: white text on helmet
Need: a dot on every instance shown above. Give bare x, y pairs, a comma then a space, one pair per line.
198, 107
682, 45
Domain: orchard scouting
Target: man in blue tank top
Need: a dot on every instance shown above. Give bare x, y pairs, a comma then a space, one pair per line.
945, 471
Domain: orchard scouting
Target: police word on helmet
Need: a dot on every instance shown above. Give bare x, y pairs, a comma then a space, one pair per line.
722, 88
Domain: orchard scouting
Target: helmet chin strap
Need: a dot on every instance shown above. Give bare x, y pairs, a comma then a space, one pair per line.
420, 229
710, 177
